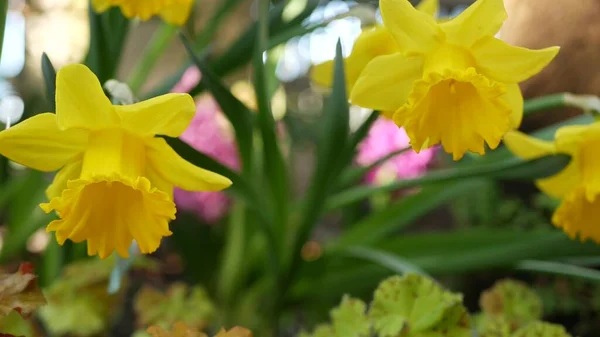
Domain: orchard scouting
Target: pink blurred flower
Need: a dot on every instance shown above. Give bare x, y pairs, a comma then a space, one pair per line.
210, 133
383, 138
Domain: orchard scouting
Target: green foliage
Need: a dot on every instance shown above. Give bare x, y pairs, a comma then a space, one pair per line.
513, 301
540, 329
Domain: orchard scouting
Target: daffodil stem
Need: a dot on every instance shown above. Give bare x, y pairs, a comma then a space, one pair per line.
234, 253
3, 13
587, 103
154, 50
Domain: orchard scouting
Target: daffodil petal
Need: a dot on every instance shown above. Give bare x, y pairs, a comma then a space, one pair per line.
168, 115
179, 172
569, 138
414, 31
178, 13
371, 43
429, 7
386, 82
514, 99
562, 183
101, 5
527, 147
80, 100
38, 143
71, 171
159, 182
483, 18
505, 63
322, 74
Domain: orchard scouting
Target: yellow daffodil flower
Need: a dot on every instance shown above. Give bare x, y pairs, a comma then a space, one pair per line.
577, 185
372, 42
452, 83
116, 178
175, 12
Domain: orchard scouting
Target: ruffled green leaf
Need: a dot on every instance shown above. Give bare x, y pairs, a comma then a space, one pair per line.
541, 329
513, 301
191, 306
414, 305
350, 319
488, 326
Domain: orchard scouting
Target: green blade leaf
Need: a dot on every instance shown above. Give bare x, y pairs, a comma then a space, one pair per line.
379, 225
332, 141
558, 268
49, 73
393, 262
353, 175
237, 113
513, 168
108, 31
3, 12
274, 165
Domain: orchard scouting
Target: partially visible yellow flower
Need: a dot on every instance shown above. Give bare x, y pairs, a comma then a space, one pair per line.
182, 330
175, 12
578, 184
116, 178
452, 83
372, 42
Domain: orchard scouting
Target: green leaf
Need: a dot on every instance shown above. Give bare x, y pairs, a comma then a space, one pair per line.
108, 31
393, 262
513, 168
541, 329
49, 73
558, 268
413, 304
3, 12
512, 301
333, 140
400, 214
212, 27
237, 113
354, 175
350, 319
274, 163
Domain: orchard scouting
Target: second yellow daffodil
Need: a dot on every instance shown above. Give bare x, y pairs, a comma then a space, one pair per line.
577, 185
116, 178
372, 42
452, 83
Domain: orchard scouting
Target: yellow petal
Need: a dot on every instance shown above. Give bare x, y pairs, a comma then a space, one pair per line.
578, 216
80, 100
514, 99
569, 139
527, 147
71, 171
372, 42
168, 115
179, 172
429, 7
322, 74
109, 213
177, 13
39, 144
505, 63
157, 181
414, 31
562, 183
101, 5
386, 82
483, 18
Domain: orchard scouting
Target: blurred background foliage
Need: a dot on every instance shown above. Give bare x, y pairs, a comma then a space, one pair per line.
301, 229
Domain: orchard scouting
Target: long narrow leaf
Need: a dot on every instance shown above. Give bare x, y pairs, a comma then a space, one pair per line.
3, 13
558, 268
331, 144
237, 113
49, 73
393, 218
513, 168
274, 163
393, 262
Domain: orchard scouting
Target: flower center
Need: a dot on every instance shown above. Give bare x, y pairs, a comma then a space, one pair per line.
111, 152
